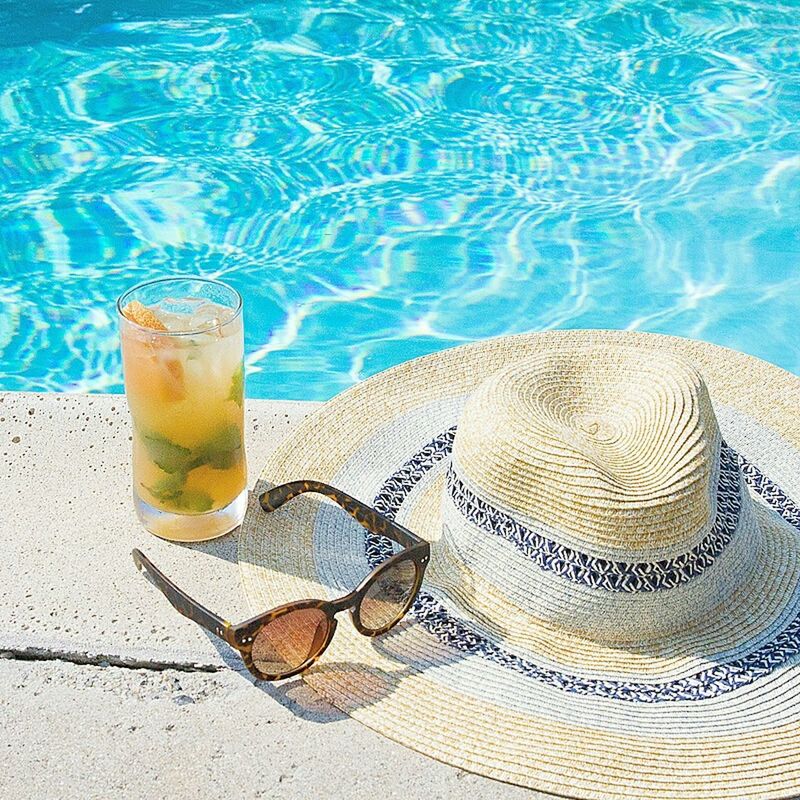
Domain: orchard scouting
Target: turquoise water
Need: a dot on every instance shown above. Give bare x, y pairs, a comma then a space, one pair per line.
384, 179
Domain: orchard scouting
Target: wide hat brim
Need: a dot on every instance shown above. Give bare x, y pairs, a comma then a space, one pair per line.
728, 722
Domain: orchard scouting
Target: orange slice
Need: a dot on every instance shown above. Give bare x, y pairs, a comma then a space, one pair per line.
142, 315
173, 383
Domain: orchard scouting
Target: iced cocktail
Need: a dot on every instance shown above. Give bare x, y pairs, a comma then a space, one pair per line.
182, 352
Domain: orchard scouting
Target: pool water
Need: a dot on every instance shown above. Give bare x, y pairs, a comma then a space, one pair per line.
385, 179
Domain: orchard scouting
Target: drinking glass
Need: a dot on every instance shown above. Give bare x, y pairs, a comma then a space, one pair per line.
182, 354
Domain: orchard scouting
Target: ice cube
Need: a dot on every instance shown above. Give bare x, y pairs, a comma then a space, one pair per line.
208, 316
191, 314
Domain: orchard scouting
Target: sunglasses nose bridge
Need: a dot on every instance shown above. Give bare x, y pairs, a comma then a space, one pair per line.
344, 603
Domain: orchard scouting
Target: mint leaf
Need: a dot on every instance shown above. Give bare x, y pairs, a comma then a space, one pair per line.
168, 488
222, 450
237, 386
222, 459
171, 493
194, 500
167, 455
226, 439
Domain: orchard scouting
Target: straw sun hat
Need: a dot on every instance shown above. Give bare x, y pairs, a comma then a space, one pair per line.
612, 607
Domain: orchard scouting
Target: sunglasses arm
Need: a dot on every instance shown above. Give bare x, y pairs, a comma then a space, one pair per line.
367, 517
184, 604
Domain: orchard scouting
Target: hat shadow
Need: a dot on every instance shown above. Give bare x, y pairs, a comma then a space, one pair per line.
224, 547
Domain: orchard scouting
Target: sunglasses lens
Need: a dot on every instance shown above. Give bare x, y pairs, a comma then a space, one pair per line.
389, 596
287, 642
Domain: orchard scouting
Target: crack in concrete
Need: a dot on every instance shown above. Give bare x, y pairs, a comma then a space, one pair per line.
98, 660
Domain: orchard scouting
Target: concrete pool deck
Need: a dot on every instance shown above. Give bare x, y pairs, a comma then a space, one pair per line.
104, 689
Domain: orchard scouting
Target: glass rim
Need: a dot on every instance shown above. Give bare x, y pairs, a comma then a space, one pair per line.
237, 310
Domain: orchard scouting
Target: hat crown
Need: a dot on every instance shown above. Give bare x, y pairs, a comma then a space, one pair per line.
613, 449
596, 484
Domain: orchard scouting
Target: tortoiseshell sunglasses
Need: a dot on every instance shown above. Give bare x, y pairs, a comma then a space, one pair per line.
290, 638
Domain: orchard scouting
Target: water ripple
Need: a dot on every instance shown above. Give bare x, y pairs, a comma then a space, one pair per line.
384, 179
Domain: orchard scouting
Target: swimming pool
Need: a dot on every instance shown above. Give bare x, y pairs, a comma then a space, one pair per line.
384, 179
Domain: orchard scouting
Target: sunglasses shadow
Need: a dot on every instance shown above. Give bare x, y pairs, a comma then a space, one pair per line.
357, 685
366, 684
293, 694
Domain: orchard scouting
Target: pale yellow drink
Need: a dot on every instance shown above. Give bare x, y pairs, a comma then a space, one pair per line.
184, 382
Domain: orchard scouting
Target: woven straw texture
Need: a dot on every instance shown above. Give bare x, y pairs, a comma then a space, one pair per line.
596, 454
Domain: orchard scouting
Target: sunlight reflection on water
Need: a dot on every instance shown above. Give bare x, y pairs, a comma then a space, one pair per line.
384, 179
